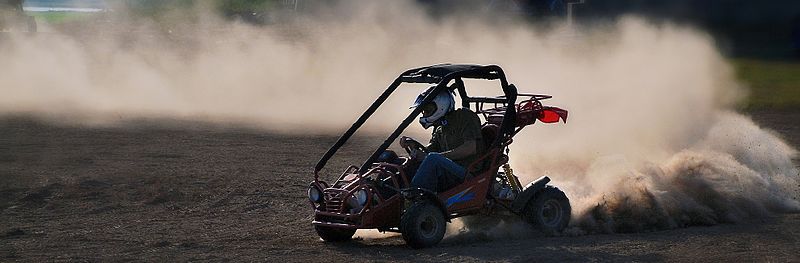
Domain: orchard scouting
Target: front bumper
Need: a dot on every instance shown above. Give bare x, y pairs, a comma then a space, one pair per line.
337, 220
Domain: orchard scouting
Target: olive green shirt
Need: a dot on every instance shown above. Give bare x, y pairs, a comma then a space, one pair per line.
457, 127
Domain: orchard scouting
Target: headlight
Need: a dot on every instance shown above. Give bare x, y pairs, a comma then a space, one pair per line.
314, 194
357, 200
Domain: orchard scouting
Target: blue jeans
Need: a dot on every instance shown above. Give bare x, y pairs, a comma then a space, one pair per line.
434, 167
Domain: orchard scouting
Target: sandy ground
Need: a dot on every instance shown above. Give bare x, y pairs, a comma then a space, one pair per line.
188, 191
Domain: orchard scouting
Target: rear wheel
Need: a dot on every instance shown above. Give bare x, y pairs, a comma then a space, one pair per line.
423, 225
549, 211
331, 234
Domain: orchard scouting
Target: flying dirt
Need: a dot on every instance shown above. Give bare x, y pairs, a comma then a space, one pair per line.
654, 141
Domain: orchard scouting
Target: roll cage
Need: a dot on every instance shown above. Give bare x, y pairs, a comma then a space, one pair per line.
441, 75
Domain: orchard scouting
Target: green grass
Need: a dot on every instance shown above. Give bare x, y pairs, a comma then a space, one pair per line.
773, 84
246, 5
57, 17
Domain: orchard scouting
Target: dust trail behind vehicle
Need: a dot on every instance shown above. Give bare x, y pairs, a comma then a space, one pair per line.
652, 141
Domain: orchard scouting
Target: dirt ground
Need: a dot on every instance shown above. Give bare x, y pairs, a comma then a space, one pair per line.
188, 191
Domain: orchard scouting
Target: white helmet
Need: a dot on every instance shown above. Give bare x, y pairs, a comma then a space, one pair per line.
441, 105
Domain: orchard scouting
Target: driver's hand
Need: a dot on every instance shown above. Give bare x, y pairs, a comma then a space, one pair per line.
418, 154
404, 141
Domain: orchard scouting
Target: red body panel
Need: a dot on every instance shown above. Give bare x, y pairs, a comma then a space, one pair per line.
468, 196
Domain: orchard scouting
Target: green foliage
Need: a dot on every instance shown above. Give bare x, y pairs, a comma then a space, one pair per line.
159, 7
773, 84
154, 7
237, 6
56, 17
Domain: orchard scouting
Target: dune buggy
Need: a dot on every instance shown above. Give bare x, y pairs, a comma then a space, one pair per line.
377, 194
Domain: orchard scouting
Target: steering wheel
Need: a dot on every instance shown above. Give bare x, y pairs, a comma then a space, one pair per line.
411, 146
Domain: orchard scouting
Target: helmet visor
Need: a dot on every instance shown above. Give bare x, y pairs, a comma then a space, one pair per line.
428, 109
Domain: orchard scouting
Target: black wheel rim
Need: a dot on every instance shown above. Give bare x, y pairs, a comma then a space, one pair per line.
551, 213
428, 226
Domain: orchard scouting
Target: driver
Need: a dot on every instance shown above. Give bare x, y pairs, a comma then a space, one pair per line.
455, 142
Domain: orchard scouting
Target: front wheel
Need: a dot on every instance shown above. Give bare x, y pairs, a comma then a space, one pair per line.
331, 234
549, 211
423, 225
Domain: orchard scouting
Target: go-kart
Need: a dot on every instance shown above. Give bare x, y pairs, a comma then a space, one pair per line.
377, 194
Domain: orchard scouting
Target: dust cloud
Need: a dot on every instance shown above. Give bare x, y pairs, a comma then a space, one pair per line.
652, 141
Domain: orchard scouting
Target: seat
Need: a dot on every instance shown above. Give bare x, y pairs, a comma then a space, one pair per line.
489, 133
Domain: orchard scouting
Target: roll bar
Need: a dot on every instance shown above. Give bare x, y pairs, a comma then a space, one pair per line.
441, 75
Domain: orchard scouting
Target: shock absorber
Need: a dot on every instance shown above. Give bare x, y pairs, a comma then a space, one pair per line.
511, 178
